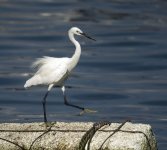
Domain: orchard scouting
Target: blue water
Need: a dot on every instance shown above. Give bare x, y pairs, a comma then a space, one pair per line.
121, 75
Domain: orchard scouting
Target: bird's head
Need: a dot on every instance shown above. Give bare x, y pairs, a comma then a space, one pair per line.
78, 31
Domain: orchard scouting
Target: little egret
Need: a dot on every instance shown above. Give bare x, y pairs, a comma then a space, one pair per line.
53, 71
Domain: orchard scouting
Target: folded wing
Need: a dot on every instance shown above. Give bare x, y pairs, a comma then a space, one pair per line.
50, 70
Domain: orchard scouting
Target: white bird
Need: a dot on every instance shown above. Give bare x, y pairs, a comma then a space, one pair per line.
53, 71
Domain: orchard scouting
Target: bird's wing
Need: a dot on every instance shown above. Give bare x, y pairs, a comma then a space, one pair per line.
50, 71
44, 60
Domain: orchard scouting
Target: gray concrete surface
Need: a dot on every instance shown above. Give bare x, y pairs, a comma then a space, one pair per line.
67, 136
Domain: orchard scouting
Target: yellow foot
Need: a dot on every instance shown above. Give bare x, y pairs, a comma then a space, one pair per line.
49, 124
87, 111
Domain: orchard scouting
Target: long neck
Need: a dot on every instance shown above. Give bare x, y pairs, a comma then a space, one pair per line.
76, 55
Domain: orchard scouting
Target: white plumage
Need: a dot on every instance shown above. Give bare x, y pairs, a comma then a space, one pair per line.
50, 71
53, 71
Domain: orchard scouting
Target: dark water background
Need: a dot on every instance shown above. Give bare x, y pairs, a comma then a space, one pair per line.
122, 75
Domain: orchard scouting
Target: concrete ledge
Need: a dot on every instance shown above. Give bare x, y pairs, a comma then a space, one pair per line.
67, 136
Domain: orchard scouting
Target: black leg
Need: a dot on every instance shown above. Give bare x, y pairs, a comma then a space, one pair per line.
67, 103
72, 105
44, 106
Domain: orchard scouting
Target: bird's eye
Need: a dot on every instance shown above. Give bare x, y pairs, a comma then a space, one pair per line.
77, 31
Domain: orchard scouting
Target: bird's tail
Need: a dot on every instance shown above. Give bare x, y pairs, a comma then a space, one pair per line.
35, 80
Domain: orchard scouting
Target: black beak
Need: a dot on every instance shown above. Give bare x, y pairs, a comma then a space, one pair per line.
84, 34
